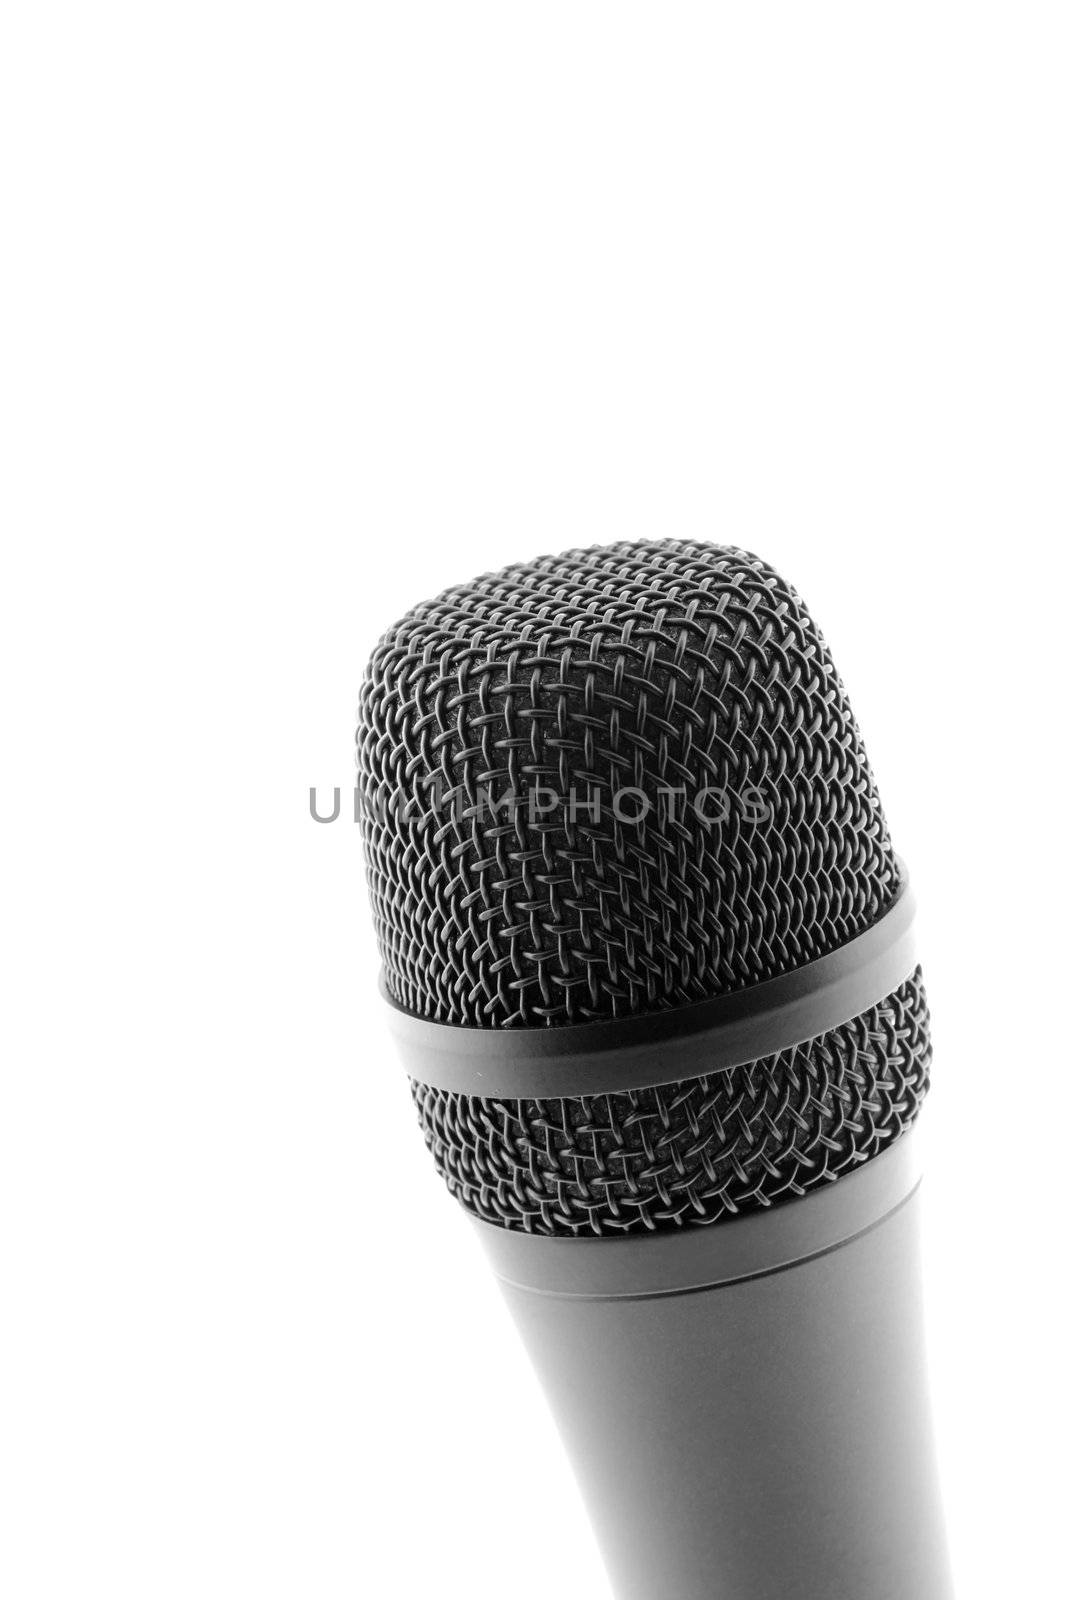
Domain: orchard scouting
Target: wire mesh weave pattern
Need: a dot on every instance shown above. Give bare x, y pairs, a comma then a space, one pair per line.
690, 1153
671, 670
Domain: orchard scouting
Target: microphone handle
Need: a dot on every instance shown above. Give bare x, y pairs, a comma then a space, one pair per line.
746, 1405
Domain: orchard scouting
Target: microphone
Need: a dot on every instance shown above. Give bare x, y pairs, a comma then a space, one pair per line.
649, 962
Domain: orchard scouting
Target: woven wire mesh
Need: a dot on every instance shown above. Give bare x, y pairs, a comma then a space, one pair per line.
667, 669
666, 672
688, 1153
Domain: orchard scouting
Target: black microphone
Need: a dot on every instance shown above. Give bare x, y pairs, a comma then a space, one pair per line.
649, 959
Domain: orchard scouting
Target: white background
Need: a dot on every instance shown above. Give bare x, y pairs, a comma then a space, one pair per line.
308, 311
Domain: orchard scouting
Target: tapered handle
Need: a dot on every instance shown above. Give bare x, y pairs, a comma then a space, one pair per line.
762, 1438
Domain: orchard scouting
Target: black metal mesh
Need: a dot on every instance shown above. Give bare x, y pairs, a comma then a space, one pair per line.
612, 782
688, 1153
660, 667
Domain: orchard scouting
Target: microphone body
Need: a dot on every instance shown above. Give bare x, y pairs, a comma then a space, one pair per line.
650, 967
750, 1421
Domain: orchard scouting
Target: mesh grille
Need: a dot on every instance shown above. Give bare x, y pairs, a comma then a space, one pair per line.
682, 678
613, 782
688, 1153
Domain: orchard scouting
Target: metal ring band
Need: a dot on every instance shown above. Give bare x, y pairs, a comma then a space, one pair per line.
691, 1258
665, 1046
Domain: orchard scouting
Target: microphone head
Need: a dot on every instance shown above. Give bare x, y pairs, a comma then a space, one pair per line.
612, 783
